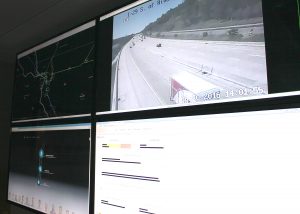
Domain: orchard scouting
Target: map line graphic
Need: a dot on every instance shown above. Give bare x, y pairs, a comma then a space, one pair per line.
77, 66
47, 76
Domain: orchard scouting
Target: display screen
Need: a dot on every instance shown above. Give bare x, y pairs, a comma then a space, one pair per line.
178, 52
49, 168
223, 163
55, 79
168, 53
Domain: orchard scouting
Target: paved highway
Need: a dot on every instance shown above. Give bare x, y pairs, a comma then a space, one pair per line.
145, 69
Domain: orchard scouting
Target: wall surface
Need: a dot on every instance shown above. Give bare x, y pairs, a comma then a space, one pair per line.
6, 86
17, 210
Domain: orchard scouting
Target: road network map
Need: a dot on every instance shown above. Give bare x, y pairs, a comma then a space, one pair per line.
56, 80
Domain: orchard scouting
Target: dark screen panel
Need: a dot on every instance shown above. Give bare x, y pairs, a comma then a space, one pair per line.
103, 97
49, 168
283, 45
56, 80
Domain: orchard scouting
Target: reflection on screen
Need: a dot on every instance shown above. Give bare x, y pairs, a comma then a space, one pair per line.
169, 52
227, 163
49, 168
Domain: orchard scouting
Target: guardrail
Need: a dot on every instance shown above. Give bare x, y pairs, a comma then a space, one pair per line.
114, 100
218, 28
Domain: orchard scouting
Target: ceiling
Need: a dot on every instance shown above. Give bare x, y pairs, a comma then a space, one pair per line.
27, 23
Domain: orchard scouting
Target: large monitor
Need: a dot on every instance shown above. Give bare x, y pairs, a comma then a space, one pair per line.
166, 53
220, 163
55, 78
50, 168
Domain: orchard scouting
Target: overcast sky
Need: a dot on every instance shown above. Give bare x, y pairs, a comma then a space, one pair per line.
124, 26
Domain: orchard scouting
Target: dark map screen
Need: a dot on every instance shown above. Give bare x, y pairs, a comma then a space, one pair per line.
56, 80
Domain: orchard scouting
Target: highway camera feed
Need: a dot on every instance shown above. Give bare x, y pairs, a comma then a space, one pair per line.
168, 52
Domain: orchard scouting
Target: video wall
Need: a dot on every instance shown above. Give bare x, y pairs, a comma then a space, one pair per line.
161, 106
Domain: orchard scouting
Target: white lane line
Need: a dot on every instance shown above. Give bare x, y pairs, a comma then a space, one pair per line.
142, 75
255, 55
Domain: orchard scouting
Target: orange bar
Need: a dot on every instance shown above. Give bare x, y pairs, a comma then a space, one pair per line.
125, 146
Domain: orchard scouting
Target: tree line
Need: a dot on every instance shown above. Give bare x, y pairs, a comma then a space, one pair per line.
194, 13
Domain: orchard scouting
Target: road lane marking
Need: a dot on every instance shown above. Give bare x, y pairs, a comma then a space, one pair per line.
144, 78
256, 55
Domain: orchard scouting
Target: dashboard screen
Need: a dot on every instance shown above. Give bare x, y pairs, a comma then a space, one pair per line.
49, 168
223, 163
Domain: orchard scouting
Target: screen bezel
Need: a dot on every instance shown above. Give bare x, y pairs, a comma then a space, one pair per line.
273, 103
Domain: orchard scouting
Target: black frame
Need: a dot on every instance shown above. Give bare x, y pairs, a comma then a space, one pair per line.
207, 109
202, 109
